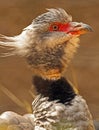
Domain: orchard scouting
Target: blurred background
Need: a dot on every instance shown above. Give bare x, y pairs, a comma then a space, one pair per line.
16, 93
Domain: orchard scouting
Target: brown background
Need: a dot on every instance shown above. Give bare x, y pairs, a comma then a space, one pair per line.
15, 76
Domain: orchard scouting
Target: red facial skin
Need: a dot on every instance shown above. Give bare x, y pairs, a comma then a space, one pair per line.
62, 27
66, 27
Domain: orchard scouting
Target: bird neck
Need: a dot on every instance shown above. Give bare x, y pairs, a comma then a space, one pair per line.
59, 89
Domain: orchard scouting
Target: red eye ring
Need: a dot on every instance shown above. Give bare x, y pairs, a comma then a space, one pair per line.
55, 27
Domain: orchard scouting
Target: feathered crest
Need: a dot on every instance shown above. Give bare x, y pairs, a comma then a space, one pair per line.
61, 13
53, 15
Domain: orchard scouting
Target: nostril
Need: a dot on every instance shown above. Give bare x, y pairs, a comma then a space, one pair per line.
77, 26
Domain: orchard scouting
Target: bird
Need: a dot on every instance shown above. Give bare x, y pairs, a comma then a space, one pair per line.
48, 44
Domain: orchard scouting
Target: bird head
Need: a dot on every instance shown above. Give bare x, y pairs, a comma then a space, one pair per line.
49, 43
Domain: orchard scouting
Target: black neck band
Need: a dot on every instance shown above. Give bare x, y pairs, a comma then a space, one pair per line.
54, 89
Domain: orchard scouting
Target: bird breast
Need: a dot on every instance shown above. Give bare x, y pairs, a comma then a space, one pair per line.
57, 116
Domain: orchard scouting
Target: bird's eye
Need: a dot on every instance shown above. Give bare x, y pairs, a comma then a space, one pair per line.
55, 27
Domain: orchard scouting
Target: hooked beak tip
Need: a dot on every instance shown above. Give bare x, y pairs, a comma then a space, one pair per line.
80, 28
87, 28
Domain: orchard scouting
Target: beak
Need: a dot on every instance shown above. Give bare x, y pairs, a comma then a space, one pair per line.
79, 28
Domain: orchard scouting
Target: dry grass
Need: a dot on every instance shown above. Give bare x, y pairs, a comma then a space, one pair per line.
23, 104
